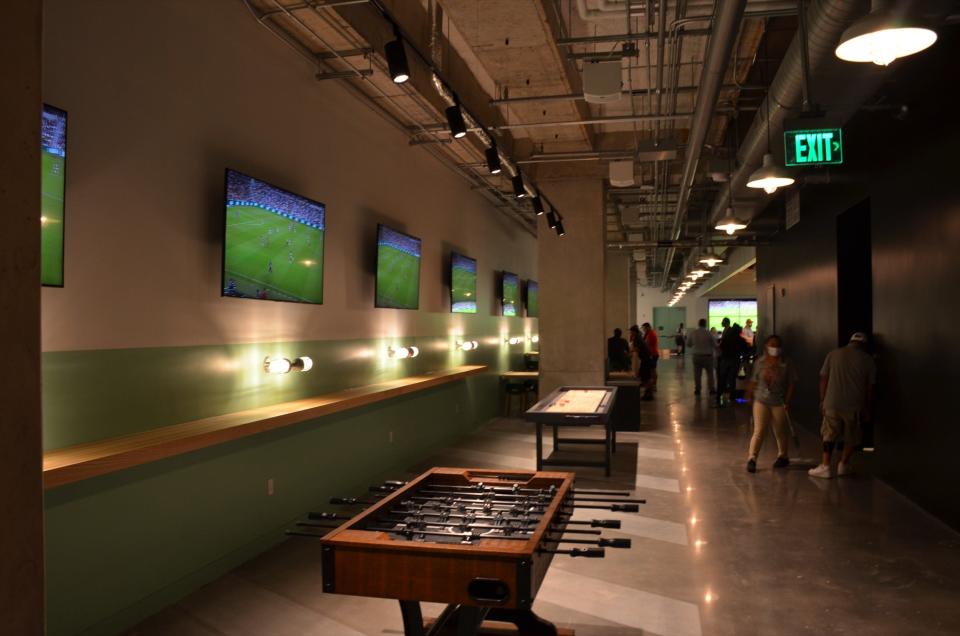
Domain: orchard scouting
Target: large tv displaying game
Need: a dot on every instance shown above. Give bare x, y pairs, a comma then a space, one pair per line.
273, 242
53, 160
463, 284
737, 310
533, 299
510, 294
398, 269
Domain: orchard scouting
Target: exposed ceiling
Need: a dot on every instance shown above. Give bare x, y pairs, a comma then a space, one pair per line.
516, 68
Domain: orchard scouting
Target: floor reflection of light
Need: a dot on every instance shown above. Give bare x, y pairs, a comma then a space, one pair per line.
689, 488
709, 597
693, 520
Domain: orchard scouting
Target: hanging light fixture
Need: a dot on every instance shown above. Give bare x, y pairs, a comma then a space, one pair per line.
730, 223
711, 259
769, 176
458, 127
493, 159
700, 273
559, 228
518, 190
882, 36
397, 59
537, 204
552, 219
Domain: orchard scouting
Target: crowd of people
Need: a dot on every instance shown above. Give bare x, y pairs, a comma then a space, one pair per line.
847, 380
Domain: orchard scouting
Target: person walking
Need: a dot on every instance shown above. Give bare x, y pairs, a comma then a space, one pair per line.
732, 349
637, 351
649, 362
771, 388
704, 347
680, 339
618, 352
847, 381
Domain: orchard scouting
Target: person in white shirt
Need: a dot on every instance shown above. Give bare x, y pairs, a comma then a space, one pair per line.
704, 346
748, 333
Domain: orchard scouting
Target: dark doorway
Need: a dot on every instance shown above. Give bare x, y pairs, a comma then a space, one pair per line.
854, 272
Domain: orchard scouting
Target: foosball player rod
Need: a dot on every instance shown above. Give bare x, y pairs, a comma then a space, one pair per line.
350, 501
590, 553
640, 501
465, 536
611, 507
450, 515
597, 523
607, 493
310, 524
326, 516
602, 542
301, 533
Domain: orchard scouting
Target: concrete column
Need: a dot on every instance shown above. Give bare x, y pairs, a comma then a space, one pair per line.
617, 292
21, 499
571, 271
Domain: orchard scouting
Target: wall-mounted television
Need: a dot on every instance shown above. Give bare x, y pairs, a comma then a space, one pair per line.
737, 310
273, 242
398, 269
463, 284
533, 299
510, 294
53, 174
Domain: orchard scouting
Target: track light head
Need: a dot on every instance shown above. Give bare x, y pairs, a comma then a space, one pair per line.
559, 228
552, 219
537, 205
458, 127
518, 190
493, 159
397, 60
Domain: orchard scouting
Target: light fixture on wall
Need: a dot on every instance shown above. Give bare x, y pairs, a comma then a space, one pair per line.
399, 353
513, 340
535, 338
458, 127
769, 176
711, 259
493, 158
468, 345
537, 204
518, 190
278, 365
730, 223
397, 59
882, 36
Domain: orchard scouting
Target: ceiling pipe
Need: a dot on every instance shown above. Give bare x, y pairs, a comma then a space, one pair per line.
726, 26
617, 9
825, 22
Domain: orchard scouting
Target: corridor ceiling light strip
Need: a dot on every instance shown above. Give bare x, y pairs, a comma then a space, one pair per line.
769, 176
397, 59
882, 37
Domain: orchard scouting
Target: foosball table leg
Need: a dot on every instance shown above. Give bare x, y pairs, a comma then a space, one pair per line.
412, 618
528, 623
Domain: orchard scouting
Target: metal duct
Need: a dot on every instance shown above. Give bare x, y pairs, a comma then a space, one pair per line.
726, 27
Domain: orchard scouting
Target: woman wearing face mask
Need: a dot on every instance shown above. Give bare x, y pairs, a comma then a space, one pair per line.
771, 388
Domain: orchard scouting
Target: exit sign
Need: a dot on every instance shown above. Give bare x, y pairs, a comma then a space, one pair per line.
813, 147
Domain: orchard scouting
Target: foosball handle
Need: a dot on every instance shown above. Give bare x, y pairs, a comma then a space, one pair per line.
382, 488
325, 516
394, 484
614, 543
590, 553
605, 523
345, 501
622, 507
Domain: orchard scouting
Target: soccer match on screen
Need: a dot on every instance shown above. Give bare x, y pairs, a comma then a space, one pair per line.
53, 158
274, 243
533, 299
463, 286
511, 294
398, 269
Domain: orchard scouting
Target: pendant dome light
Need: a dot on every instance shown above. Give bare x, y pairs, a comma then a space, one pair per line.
882, 36
769, 176
711, 259
730, 223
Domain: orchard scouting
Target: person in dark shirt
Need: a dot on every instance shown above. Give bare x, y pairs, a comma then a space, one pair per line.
618, 352
732, 349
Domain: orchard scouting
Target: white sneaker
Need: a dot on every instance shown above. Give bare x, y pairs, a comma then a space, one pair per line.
844, 469
822, 471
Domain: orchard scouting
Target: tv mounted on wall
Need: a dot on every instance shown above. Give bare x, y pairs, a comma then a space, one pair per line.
398, 269
463, 284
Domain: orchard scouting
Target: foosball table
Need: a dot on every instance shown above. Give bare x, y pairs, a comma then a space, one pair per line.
479, 541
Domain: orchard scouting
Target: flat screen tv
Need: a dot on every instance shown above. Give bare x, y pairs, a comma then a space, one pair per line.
533, 299
463, 284
737, 310
53, 165
398, 269
510, 294
273, 242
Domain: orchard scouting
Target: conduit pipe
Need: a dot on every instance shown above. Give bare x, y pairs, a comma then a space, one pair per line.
726, 27
617, 9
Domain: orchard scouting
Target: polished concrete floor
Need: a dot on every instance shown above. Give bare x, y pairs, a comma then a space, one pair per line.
715, 550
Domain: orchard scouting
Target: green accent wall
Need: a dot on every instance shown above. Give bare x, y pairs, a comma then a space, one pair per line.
122, 546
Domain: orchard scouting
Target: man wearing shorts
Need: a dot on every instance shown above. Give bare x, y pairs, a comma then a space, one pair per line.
847, 380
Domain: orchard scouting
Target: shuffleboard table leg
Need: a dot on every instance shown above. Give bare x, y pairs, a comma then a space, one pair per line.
528, 623
539, 446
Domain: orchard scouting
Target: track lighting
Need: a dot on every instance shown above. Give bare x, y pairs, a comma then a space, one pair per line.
769, 176
397, 59
518, 190
458, 127
537, 205
559, 228
493, 159
552, 219
730, 223
882, 36
399, 353
280, 365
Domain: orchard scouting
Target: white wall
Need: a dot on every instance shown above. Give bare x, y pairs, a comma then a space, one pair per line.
162, 96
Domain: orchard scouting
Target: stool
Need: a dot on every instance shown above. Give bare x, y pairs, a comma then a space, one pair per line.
511, 390
530, 390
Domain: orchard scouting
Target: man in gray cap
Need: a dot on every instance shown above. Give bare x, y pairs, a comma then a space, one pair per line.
847, 380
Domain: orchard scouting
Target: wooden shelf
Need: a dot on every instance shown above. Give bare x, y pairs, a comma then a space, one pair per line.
75, 463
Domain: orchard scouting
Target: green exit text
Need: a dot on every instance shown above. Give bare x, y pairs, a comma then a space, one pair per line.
813, 147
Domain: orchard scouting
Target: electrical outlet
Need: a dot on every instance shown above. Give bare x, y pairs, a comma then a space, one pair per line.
390, 437
270, 487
